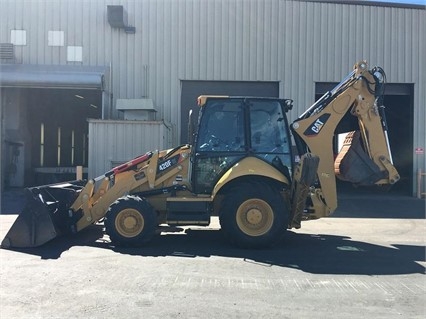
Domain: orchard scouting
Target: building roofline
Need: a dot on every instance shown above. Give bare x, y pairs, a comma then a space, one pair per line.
373, 3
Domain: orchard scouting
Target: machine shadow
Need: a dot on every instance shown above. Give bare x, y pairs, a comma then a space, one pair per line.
317, 254
55, 248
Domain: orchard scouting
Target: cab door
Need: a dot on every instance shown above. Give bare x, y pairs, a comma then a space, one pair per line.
220, 141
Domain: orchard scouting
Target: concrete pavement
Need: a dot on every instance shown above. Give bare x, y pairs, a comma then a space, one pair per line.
366, 261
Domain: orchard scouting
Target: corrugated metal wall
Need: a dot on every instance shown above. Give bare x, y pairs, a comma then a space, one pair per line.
112, 143
295, 42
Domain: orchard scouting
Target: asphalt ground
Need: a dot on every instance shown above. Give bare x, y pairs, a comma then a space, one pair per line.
368, 260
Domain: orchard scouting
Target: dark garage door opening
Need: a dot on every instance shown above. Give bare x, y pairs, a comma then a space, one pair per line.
45, 108
51, 136
58, 127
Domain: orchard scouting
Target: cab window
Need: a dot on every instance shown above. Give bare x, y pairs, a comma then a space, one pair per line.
223, 128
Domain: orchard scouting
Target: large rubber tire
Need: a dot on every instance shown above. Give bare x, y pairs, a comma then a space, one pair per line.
130, 221
253, 215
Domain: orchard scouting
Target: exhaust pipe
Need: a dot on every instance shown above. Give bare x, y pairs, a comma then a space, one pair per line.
45, 215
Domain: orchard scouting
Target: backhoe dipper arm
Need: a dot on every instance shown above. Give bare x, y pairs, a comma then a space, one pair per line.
367, 158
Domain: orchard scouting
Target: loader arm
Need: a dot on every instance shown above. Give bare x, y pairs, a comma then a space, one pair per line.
119, 182
58, 209
366, 158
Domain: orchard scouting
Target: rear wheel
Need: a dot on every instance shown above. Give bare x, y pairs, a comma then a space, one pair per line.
130, 221
253, 215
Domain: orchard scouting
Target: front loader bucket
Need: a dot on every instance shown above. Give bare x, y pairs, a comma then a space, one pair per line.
44, 217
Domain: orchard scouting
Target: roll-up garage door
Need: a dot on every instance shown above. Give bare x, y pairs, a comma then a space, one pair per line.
52, 76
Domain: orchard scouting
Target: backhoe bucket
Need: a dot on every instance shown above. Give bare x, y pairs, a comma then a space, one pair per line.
354, 165
45, 215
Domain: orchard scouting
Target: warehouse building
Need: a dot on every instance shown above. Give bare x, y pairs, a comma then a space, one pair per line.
97, 82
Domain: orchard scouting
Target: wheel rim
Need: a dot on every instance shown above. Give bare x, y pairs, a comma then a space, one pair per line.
255, 217
129, 223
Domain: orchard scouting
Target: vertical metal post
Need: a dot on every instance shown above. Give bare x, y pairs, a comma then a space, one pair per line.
1, 148
420, 174
79, 173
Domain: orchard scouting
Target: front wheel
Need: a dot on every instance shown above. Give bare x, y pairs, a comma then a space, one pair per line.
253, 215
130, 221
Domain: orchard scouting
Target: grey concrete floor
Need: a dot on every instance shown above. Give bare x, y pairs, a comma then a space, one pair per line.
368, 261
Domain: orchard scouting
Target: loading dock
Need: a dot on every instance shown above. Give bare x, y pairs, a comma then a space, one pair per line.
45, 111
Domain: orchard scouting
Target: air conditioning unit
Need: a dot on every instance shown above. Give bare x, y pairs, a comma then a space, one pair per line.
117, 18
137, 109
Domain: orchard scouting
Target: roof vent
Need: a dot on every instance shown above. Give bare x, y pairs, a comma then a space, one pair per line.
7, 53
117, 18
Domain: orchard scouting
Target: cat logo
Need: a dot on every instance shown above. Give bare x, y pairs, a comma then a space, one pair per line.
317, 126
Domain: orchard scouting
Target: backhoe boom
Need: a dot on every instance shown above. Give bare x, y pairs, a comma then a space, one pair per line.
368, 152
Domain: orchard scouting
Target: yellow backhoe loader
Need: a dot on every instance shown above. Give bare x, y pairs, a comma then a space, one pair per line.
239, 166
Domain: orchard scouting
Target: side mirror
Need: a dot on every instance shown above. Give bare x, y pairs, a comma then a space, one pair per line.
288, 104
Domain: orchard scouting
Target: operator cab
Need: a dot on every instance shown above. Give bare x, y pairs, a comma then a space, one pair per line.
232, 128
